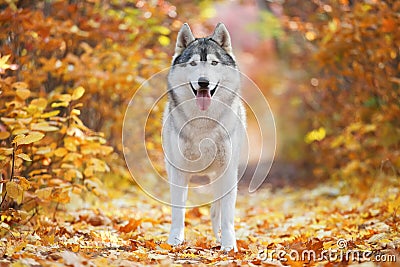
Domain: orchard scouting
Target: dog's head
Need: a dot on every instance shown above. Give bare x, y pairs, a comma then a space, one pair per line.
203, 65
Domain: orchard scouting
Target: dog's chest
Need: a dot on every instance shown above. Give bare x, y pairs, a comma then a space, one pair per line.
208, 146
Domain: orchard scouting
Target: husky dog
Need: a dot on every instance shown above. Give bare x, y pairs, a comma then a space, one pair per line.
203, 128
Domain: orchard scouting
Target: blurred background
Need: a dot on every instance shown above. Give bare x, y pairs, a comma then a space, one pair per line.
329, 70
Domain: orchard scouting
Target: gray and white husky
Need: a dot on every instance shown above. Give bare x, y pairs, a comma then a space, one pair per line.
203, 128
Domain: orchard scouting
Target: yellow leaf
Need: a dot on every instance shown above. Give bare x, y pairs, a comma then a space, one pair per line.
15, 191
61, 195
315, 135
20, 85
50, 114
40, 103
162, 29
65, 97
76, 112
72, 174
164, 40
354, 127
369, 128
92, 183
60, 104
23, 93
77, 190
99, 165
5, 151
67, 166
89, 171
23, 182
24, 156
60, 152
20, 131
24, 120
56, 182
4, 135
18, 247
70, 144
43, 126
18, 138
338, 141
72, 156
43, 150
29, 139
78, 93
8, 120
44, 193
3, 62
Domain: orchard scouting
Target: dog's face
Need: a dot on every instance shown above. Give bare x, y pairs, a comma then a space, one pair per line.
202, 67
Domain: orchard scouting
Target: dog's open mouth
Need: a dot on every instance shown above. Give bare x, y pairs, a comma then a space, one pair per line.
203, 96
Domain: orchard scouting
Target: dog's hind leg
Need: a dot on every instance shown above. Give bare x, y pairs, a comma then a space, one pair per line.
216, 218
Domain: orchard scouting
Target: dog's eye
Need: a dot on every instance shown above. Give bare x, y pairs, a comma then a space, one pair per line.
193, 63
214, 62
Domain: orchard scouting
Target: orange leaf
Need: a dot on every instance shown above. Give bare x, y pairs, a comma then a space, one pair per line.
20, 85
166, 246
23, 93
4, 135
131, 226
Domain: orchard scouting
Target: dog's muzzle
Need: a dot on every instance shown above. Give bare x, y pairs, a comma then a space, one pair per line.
202, 87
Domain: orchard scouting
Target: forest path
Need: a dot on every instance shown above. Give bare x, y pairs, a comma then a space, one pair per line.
132, 229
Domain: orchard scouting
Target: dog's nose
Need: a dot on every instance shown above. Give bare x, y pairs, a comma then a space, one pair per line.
203, 82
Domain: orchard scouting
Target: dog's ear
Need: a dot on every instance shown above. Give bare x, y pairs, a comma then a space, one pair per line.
185, 37
221, 36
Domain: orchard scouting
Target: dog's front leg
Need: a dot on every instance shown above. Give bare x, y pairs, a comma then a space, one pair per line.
228, 202
178, 188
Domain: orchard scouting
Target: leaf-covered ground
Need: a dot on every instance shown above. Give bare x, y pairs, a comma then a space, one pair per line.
274, 227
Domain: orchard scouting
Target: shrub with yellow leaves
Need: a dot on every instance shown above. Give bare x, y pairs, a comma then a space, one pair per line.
46, 151
351, 98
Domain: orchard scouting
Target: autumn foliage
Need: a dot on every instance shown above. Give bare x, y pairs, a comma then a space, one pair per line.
351, 100
67, 71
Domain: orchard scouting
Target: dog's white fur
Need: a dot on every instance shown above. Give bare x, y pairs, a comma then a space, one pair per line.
204, 142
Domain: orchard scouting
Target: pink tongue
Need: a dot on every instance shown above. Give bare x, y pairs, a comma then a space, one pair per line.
203, 99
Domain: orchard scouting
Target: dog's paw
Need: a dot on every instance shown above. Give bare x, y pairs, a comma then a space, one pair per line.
229, 248
228, 240
176, 237
174, 241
